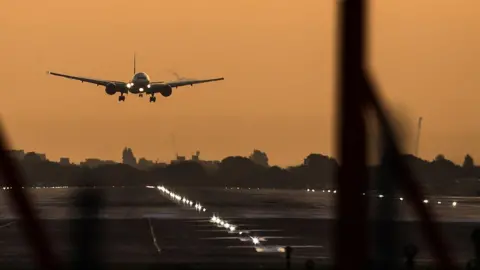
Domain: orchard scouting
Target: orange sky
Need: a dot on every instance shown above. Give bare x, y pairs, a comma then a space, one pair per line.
277, 57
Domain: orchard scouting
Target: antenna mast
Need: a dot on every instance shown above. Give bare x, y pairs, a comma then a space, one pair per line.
173, 145
134, 64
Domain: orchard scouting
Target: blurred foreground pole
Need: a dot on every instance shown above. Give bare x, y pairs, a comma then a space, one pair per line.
408, 182
34, 232
351, 230
288, 254
386, 208
87, 230
355, 94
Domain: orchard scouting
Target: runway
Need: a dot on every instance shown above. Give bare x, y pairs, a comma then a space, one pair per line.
147, 225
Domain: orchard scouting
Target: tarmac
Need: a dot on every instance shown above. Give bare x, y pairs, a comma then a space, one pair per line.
147, 225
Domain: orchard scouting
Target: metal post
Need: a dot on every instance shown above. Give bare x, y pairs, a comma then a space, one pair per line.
31, 225
351, 249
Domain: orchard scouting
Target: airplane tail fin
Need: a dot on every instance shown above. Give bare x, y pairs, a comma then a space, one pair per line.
134, 64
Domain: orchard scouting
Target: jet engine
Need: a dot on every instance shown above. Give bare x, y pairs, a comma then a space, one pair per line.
167, 91
111, 89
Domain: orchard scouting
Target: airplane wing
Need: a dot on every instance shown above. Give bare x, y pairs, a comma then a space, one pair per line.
89, 80
175, 84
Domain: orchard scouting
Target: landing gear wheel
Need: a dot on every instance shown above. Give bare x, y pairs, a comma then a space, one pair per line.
121, 98
153, 99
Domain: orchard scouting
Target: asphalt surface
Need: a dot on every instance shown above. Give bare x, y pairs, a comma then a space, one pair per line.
149, 226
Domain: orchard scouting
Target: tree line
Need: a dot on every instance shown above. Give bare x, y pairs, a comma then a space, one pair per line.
440, 176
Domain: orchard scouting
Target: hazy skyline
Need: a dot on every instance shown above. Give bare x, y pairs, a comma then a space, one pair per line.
277, 57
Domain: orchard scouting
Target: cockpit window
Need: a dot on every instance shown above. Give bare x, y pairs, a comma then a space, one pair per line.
141, 76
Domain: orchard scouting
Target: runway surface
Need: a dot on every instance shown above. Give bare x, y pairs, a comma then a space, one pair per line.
148, 225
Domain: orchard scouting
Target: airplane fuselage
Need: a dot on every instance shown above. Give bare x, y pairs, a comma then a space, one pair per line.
139, 84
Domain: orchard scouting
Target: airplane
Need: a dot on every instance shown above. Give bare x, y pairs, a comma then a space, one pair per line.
140, 84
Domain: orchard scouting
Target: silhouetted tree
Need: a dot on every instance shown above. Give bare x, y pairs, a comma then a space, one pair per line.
119, 175
128, 157
439, 158
468, 162
259, 158
440, 176
239, 171
443, 162
319, 170
278, 178
468, 167
315, 160
186, 173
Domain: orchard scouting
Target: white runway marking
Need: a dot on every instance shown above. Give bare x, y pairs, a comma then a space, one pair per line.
245, 230
154, 238
6, 225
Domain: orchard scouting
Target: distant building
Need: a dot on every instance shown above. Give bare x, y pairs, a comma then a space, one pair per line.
179, 159
17, 154
34, 157
43, 157
196, 157
160, 164
64, 161
210, 166
144, 163
95, 162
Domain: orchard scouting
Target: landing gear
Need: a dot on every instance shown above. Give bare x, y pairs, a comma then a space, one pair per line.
153, 99
121, 98
140, 95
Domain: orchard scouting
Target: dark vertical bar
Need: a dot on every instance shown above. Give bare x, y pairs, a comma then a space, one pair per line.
32, 227
288, 253
386, 211
351, 229
408, 184
86, 232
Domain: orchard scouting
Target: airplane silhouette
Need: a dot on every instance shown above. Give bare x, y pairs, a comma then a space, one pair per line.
140, 84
